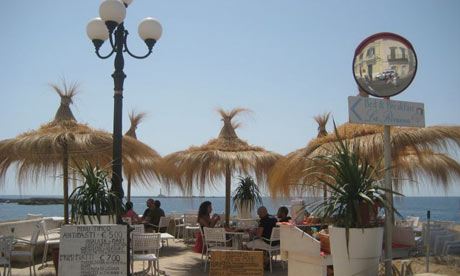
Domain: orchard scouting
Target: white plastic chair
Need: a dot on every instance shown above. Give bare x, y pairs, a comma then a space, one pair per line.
451, 247
163, 223
48, 240
34, 216
178, 224
138, 229
273, 250
6, 244
203, 246
191, 225
413, 221
30, 248
440, 241
146, 247
215, 240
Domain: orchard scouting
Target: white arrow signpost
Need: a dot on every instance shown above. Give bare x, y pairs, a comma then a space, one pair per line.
385, 112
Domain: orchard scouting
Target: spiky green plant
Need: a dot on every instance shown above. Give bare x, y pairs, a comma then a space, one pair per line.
354, 185
246, 194
94, 197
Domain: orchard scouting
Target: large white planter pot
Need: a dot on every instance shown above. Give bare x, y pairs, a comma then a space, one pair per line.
245, 210
365, 248
104, 220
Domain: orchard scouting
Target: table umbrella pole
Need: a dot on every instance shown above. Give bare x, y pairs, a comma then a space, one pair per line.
65, 171
129, 189
228, 176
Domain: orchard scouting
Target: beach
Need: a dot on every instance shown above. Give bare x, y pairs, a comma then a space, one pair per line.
179, 259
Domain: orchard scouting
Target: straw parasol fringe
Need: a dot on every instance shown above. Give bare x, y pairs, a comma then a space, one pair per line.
218, 158
150, 168
420, 145
63, 140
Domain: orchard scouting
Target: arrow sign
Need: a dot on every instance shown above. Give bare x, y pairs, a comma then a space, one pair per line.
385, 112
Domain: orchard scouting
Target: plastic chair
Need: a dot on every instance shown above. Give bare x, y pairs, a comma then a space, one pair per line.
191, 224
128, 220
215, 240
451, 247
34, 216
162, 224
273, 250
440, 241
178, 225
148, 247
30, 248
6, 244
138, 229
413, 221
204, 243
48, 241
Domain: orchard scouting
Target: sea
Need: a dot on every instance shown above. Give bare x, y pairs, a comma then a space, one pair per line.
441, 208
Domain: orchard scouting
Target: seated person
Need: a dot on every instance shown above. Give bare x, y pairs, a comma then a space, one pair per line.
205, 220
264, 230
130, 213
282, 214
156, 215
150, 207
147, 217
204, 215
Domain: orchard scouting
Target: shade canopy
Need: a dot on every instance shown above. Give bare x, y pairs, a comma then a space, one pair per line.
198, 166
150, 164
45, 152
416, 154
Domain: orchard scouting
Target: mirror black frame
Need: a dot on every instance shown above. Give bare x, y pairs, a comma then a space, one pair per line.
372, 38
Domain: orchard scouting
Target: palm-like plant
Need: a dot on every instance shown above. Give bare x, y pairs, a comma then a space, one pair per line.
354, 185
246, 194
94, 197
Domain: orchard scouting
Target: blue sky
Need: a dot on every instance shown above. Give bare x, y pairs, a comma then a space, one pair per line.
287, 61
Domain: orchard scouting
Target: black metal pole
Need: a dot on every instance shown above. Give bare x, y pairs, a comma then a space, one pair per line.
118, 79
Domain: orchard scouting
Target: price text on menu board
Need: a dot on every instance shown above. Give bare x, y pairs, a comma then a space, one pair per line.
89, 250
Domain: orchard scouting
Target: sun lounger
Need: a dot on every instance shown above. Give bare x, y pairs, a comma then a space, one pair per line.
440, 241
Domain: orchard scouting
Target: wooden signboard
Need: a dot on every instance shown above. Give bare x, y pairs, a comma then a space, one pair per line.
233, 263
93, 250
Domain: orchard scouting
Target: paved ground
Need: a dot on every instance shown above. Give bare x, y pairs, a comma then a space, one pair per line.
177, 259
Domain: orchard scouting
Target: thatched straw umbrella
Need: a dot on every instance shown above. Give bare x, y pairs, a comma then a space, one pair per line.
219, 157
47, 150
415, 154
150, 164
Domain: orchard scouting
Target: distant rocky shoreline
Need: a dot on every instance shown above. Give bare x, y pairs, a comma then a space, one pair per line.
54, 200
33, 201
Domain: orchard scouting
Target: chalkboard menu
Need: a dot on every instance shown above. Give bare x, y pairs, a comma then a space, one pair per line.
233, 262
93, 250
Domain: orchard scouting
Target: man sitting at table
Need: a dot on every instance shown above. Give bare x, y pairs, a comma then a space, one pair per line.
264, 230
156, 214
282, 214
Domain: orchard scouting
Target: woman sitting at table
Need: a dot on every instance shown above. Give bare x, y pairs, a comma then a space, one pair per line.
205, 220
130, 213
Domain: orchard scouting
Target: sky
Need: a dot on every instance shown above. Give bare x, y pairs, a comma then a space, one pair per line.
287, 61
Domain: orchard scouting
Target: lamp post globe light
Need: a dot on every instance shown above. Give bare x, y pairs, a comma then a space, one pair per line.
110, 26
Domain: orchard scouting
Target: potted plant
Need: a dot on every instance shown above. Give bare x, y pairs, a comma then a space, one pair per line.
94, 201
246, 196
356, 234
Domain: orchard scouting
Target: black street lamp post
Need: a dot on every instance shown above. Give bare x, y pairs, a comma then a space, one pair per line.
110, 26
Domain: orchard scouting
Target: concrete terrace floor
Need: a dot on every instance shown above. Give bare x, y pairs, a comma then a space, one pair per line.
176, 260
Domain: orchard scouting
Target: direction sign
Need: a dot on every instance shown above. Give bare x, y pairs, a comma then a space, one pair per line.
385, 112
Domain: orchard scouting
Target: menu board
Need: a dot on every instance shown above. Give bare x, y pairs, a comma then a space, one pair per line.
93, 250
235, 262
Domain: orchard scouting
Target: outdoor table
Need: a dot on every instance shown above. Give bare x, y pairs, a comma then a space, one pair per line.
165, 237
238, 235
